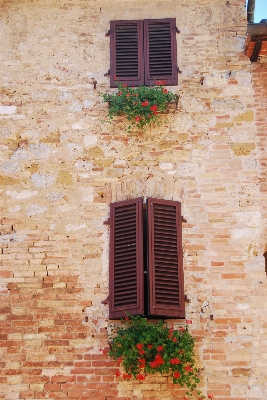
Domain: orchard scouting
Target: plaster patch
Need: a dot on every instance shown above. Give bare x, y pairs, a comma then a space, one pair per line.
66, 208
242, 306
166, 166
3, 287
74, 149
22, 195
72, 227
83, 165
231, 104
19, 155
90, 140
40, 150
75, 106
34, 209
10, 167
14, 209
255, 264
42, 181
8, 110
13, 237
87, 194
250, 219
244, 233
54, 196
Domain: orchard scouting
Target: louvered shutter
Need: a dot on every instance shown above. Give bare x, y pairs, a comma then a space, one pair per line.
126, 53
165, 259
126, 293
160, 51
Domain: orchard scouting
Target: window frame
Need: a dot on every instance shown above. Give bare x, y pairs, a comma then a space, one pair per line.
144, 76
150, 299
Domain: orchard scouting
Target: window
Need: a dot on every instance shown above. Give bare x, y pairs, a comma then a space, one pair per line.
146, 261
142, 52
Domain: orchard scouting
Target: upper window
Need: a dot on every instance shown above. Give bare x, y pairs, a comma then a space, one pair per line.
146, 261
143, 52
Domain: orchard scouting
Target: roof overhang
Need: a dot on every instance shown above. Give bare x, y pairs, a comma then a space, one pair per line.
256, 43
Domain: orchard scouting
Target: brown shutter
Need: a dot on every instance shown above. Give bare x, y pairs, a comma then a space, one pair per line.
160, 51
126, 53
126, 280
165, 259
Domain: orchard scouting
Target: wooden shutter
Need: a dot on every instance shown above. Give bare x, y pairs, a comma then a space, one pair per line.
165, 259
126, 53
126, 287
160, 51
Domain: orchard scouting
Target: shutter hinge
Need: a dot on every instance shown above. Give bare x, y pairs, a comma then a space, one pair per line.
178, 70
186, 299
183, 219
107, 34
108, 73
107, 222
177, 30
105, 301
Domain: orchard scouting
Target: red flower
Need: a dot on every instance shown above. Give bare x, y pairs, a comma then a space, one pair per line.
126, 376
174, 340
181, 352
119, 93
124, 85
210, 396
155, 112
154, 107
189, 321
142, 362
159, 360
140, 377
153, 364
141, 352
118, 373
160, 348
188, 368
115, 77
128, 95
165, 90
176, 375
137, 119
181, 329
145, 103
139, 346
119, 360
149, 346
174, 361
126, 318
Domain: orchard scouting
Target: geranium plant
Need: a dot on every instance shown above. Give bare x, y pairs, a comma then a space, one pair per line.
141, 105
145, 348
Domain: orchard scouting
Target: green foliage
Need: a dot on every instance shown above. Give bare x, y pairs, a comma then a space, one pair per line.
141, 105
146, 348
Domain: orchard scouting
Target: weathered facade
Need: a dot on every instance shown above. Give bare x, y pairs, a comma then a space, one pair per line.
62, 165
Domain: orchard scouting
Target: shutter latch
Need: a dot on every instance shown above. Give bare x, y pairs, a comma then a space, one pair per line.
178, 70
107, 34
177, 30
107, 73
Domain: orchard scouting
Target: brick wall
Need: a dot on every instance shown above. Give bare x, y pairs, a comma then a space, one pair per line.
62, 165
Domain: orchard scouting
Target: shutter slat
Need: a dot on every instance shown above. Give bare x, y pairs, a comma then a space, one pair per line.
126, 258
166, 291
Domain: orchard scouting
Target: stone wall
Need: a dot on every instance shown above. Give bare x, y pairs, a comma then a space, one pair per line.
62, 164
